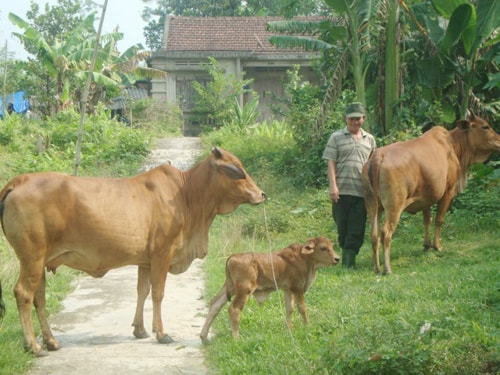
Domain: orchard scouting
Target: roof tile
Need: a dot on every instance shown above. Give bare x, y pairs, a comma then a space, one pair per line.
219, 34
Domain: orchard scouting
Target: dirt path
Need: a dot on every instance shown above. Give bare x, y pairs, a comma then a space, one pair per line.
94, 327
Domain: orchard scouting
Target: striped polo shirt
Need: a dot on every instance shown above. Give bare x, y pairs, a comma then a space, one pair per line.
349, 155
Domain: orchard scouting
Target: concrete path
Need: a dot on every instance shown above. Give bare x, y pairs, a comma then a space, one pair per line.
94, 327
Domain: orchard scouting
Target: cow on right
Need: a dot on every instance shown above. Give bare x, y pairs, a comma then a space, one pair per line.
414, 175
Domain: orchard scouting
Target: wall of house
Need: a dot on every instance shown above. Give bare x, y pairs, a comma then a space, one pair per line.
268, 77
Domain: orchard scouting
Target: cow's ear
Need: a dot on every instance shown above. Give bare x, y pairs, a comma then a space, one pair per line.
216, 152
308, 248
463, 124
232, 171
471, 116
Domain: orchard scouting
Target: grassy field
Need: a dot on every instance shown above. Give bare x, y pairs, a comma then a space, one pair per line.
437, 314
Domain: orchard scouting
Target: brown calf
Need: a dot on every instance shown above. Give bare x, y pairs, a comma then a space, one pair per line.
292, 269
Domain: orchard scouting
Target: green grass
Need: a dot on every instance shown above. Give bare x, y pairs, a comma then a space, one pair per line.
361, 322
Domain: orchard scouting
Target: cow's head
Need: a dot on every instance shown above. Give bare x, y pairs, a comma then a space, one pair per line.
321, 251
482, 139
234, 185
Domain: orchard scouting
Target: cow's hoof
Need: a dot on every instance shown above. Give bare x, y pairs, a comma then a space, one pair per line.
165, 339
52, 346
140, 333
204, 340
41, 353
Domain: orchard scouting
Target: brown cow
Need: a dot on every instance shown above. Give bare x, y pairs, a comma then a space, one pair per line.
158, 220
414, 175
292, 269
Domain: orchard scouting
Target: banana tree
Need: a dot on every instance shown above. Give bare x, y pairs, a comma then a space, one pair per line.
345, 38
57, 58
459, 45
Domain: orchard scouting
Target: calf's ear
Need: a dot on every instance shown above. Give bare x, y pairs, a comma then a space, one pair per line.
308, 248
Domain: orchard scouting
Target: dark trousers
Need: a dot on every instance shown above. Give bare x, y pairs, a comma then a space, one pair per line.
349, 214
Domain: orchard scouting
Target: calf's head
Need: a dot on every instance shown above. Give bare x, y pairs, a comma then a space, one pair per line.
321, 251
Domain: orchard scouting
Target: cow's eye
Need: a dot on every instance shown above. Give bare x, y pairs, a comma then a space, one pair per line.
486, 127
322, 248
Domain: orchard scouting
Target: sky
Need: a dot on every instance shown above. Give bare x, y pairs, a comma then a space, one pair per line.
125, 14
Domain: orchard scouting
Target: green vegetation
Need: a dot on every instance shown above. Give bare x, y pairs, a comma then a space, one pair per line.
438, 313
110, 149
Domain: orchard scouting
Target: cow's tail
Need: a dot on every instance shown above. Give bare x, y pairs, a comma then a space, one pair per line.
3, 195
372, 197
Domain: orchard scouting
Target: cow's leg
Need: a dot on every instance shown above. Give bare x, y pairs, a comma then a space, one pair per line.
442, 207
143, 288
426, 213
158, 278
235, 308
375, 241
215, 306
48, 339
391, 221
29, 279
289, 305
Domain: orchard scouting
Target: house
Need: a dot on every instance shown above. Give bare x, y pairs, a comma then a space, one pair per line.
239, 44
121, 106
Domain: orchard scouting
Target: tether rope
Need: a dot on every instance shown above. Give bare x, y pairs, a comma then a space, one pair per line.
269, 241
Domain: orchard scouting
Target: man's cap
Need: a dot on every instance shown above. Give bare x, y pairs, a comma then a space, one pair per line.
355, 109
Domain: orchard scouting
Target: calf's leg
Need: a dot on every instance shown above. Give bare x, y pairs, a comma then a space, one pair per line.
289, 305
215, 306
301, 306
235, 308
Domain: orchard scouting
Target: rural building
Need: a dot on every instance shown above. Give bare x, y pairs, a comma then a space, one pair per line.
239, 44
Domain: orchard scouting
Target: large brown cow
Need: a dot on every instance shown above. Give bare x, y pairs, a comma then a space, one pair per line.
414, 175
158, 220
292, 269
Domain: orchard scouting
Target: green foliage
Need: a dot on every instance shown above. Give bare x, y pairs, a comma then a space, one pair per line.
244, 117
157, 117
480, 199
32, 145
215, 99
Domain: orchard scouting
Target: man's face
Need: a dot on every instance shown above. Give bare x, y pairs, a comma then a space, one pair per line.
354, 123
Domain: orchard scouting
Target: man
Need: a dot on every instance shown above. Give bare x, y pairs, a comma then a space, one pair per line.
347, 151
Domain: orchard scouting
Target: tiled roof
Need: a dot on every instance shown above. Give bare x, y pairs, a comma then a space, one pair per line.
238, 34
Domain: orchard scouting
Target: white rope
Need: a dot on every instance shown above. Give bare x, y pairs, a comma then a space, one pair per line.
292, 338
